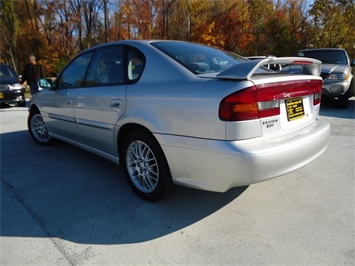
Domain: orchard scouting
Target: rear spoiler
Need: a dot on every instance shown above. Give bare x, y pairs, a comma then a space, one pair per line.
245, 70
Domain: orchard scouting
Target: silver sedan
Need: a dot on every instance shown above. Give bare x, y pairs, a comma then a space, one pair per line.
179, 113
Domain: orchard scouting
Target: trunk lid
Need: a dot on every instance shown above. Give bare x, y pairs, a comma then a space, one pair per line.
282, 103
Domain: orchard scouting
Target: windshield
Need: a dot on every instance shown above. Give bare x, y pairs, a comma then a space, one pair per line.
7, 72
197, 58
326, 56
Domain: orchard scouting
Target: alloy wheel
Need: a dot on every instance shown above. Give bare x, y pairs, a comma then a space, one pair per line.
39, 129
142, 166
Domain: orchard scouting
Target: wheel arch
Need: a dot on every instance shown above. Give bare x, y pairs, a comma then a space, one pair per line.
352, 87
33, 108
164, 184
124, 131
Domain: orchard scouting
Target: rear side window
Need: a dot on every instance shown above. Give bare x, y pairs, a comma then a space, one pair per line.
106, 67
135, 65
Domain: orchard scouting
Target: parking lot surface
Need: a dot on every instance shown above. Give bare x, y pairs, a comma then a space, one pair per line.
64, 206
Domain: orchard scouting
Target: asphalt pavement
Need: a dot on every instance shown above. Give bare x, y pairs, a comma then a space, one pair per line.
64, 206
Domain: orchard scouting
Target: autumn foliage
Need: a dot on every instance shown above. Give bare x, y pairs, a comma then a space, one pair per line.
56, 30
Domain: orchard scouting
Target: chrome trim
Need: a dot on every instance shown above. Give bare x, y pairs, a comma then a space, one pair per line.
62, 117
95, 124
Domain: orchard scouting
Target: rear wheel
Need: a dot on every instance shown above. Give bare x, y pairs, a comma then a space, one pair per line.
38, 129
145, 166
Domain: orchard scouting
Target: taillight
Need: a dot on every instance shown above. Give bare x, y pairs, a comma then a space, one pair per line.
239, 106
317, 98
264, 100
244, 105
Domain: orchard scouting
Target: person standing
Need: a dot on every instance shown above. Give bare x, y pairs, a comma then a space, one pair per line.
32, 73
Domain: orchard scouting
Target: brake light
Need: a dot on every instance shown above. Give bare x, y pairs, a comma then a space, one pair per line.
317, 98
244, 105
301, 62
264, 100
239, 106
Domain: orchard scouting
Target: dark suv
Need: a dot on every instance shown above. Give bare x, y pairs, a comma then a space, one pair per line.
336, 73
11, 90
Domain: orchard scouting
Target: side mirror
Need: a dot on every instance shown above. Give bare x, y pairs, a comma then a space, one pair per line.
45, 84
352, 63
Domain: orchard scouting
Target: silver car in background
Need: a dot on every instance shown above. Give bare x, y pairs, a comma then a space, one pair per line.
336, 72
179, 113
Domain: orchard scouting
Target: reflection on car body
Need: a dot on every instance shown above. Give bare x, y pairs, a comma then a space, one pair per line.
179, 113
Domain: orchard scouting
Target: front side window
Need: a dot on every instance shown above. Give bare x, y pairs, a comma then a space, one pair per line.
73, 75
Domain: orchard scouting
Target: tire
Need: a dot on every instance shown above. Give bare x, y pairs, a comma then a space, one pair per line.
352, 88
145, 166
343, 101
38, 129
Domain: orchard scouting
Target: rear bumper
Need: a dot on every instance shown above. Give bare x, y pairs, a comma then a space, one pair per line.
219, 165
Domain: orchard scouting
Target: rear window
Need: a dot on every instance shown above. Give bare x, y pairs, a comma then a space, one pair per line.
198, 58
326, 56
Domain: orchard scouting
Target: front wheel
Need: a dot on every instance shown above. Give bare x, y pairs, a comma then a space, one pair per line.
38, 129
343, 101
145, 166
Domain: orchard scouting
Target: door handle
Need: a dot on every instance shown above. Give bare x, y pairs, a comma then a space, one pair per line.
115, 103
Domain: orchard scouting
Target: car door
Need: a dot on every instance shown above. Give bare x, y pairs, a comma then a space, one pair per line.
101, 102
59, 103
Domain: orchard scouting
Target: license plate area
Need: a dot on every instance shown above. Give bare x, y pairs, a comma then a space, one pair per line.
294, 108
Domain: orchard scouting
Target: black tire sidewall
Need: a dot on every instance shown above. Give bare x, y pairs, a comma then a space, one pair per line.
343, 101
50, 141
165, 184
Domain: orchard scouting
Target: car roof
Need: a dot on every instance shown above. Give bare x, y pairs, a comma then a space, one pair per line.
134, 42
129, 42
319, 49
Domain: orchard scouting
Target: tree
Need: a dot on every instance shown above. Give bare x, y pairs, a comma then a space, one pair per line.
9, 29
106, 20
332, 24
92, 23
56, 30
286, 28
165, 9
259, 11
